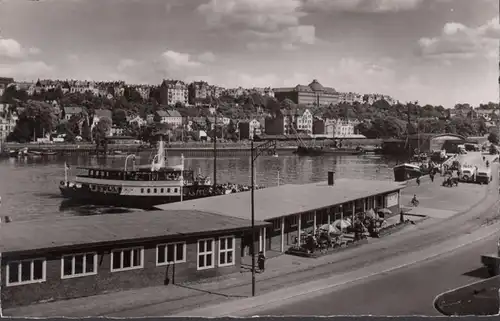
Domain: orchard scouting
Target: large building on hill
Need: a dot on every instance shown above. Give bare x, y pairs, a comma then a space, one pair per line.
312, 94
177, 92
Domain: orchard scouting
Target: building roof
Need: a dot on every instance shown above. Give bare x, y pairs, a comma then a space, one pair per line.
316, 86
162, 113
173, 113
73, 110
103, 113
286, 200
101, 229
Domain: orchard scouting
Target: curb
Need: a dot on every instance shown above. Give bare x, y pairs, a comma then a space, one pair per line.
435, 302
328, 283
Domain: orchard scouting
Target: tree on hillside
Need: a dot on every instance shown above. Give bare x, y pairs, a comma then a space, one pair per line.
86, 133
132, 95
493, 138
231, 131
119, 117
100, 131
11, 94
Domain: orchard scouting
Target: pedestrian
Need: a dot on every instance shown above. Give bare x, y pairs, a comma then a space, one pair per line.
418, 181
261, 261
401, 216
432, 177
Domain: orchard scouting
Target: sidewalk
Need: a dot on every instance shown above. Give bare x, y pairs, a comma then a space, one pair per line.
281, 270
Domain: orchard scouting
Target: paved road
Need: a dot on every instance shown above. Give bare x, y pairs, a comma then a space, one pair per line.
408, 291
431, 232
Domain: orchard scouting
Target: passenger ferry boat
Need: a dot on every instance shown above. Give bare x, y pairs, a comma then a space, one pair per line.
138, 187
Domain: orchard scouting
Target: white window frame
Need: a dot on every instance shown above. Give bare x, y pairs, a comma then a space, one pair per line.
227, 251
166, 251
85, 273
121, 259
205, 253
44, 272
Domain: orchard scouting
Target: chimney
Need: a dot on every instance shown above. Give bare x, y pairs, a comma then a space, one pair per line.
331, 178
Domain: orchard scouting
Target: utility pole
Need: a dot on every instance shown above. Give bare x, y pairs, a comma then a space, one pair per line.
255, 152
215, 148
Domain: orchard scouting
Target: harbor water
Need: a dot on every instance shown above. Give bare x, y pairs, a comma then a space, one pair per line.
29, 186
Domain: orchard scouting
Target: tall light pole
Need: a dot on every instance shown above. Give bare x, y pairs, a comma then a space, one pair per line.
215, 149
255, 152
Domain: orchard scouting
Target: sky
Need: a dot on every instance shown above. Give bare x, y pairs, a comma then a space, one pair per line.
440, 52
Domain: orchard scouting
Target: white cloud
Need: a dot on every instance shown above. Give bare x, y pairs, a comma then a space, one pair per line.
459, 41
34, 51
176, 60
263, 23
125, 64
374, 6
206, 57
266, 15
10, 48
27, 70
73, 58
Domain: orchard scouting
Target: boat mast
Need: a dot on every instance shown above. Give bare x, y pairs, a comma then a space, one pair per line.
182, 177
408, 132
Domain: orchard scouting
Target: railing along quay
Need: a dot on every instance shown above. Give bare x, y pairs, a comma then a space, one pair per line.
228, 150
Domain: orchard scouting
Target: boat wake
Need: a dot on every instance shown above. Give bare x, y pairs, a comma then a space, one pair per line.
88, 210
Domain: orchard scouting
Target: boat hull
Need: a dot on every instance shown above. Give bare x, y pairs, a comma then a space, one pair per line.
83, 195
404, 173
317, 151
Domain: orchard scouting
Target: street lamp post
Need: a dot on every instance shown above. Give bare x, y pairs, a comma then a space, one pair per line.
255, 152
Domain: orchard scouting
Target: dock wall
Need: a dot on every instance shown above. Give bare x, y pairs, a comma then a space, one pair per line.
90, 149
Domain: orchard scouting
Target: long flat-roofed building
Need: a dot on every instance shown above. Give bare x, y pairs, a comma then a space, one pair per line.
292, 208
64, 258
312, 94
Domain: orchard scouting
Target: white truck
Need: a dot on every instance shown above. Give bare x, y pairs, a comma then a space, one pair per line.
492, 261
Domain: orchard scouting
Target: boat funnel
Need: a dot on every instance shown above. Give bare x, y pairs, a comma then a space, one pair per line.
331, 178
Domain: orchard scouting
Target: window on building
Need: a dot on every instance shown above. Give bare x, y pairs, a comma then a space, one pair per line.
76, 265
142, 190
175, 190
162, 190
149, 190
168, 190
155, 190
226, 251
127, 259
26, 272
205, 254
171, 253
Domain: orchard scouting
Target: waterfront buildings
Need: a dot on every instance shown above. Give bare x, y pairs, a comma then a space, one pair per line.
248, 129
7, 124
288, 121
340, 127
71, 257
312, 94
